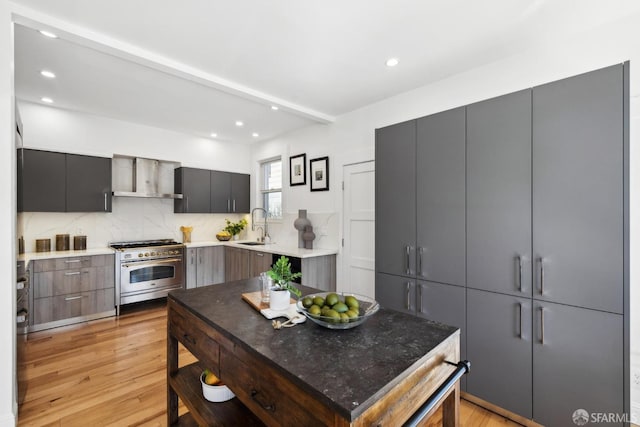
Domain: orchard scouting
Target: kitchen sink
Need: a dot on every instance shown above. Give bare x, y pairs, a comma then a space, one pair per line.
252, 243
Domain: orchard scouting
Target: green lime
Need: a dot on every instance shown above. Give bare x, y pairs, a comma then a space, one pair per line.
344, 318
352, 302
314, 310
333, 316
307, 302
319, 301
352, 314
340, 307
332, 299
324, 309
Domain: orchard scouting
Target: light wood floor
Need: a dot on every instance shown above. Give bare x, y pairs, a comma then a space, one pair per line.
112, 372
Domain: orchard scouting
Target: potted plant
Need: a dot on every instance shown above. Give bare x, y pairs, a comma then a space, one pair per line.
282, 284
234, 228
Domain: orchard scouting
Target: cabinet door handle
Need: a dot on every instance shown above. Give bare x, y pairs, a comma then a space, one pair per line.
420, 252
520, 320
541, 325
419, 298
255, 395
72, 261
188, 338
228, 205
186, 202
519, 261
541, 263
74, 273
234, 205
105, 202
407, 259
408, 306
259, 254
74, 298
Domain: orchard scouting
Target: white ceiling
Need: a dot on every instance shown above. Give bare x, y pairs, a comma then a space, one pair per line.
197, 66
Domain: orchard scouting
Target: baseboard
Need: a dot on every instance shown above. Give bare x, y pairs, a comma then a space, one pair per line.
8, 420
500, 411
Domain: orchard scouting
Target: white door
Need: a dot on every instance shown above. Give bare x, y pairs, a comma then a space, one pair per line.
359, 243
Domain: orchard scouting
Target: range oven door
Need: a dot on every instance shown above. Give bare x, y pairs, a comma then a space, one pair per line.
145, 277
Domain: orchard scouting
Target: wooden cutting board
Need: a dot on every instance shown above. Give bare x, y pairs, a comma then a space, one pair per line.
255, 300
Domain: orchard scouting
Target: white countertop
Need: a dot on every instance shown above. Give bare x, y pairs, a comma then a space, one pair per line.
29, 256
273, 248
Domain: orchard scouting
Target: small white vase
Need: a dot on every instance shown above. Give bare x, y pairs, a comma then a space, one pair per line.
279, 300
236, 237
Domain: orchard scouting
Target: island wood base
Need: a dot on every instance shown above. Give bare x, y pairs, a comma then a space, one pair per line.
265, 396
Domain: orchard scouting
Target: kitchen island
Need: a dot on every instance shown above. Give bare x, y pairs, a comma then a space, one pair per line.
378, 373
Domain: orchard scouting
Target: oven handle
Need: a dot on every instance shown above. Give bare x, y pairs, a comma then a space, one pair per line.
143, 263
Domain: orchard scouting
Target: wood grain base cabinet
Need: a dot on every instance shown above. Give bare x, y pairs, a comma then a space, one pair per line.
71, 290
205, 266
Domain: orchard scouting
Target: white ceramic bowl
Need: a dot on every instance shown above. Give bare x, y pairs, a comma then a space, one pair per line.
215, 393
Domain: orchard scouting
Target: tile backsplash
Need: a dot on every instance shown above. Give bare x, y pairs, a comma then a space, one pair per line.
143, 219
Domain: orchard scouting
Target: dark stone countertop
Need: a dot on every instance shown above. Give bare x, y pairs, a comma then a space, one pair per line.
347, 369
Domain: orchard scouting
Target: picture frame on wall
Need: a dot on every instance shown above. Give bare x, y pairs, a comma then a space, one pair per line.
319, 173
297, 170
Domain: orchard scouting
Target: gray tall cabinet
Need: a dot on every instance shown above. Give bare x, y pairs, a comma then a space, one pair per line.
542, 293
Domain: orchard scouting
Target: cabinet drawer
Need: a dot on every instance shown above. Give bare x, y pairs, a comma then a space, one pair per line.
68, 306
273, 399
196, 337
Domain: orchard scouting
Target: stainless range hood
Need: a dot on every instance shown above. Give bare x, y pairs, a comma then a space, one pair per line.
146, 181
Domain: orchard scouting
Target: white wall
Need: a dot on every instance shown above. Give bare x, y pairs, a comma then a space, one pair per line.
8, 396
351, 138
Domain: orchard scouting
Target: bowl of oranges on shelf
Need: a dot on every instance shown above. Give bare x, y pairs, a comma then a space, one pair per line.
213, 389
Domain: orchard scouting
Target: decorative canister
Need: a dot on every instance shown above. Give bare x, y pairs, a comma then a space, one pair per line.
62, 242
43, 245
79, 243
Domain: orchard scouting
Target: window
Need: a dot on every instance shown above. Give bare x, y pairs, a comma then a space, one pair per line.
271, 187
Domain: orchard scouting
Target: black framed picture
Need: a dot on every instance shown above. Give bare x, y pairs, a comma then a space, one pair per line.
297, 170
319, 173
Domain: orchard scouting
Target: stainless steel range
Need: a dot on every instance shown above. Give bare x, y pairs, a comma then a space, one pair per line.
147, 269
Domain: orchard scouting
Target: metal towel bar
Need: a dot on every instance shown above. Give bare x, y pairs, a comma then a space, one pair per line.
462, 367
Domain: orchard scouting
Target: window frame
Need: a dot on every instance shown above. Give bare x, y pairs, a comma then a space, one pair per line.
262, 183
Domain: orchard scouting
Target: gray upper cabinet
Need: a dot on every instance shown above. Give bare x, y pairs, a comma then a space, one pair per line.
59, 182
577, 363
240, 193
395, 198
499, 194
578, 190
88, 184
194, 185
230, 192
41, 176
499, 336
220, 188
440, 195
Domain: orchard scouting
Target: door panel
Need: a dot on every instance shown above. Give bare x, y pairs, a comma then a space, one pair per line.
499, 194
88, 181
499, 348
395, 205
577, 190
396, 293
43, 181
240, 193
440, 194
220, 192
577, 362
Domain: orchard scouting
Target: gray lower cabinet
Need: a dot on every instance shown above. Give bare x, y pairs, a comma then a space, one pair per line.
578, 202
73, 289
259, 262
205, 266
499, 337
236, 263
577, 363
440, 197
434, 301
499, 194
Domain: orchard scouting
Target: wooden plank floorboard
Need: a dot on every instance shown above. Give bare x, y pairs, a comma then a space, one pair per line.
112, 372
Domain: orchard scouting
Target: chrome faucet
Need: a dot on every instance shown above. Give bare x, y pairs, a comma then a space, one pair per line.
265, 230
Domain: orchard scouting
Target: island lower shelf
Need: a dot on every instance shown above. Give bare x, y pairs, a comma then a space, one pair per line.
186, 384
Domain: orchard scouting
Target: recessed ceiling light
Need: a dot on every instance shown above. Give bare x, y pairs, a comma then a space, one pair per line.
214, 135
274, 108
48, 34
392, 62
47, 100
255, 134
48, 74
239, 123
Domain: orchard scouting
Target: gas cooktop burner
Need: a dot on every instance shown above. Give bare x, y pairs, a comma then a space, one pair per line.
143, 244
